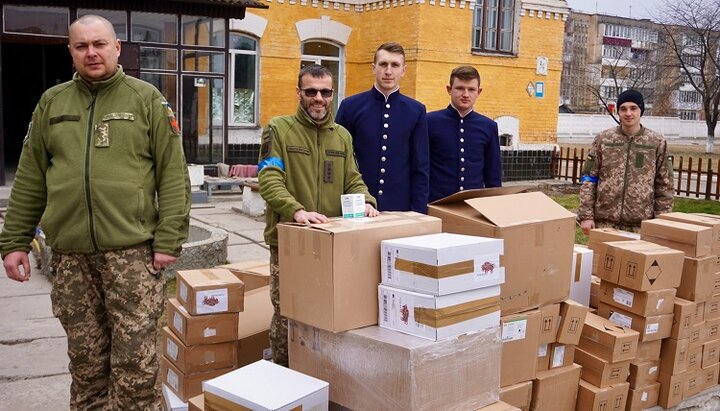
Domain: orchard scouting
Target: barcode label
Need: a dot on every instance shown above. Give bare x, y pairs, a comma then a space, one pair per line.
385, 308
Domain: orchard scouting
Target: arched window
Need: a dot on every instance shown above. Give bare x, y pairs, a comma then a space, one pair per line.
328, 55
243, 79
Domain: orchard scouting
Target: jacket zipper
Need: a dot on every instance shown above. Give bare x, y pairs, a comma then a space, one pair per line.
625, 181
88, 197
321, 172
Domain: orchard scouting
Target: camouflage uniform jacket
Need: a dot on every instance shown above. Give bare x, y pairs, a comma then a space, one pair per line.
94, 159
626, 179
306, 165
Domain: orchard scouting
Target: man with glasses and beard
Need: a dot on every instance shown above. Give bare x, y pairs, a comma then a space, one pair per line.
306, 164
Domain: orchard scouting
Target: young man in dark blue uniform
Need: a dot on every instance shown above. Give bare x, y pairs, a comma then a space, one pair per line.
390, 137
464, 144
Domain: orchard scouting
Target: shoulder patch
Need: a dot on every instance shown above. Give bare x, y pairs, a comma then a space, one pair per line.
267, 143
171, 118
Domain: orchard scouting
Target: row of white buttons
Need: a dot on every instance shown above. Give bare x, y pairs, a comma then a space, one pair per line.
384, 148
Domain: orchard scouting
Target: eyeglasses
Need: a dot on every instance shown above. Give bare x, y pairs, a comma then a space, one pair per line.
312, 92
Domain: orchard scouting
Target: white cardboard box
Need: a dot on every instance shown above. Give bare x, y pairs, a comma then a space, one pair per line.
172, 401
442, 264
439, 317
264, 385
581, 274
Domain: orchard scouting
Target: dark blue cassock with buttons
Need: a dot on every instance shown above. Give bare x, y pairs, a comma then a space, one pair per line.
465, 152
390, 139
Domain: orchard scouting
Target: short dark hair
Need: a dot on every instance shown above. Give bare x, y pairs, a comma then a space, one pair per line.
390, 47
314, 70
464, 73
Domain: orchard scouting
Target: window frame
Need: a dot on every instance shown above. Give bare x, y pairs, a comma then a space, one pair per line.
231, 80
340, 59
478, 45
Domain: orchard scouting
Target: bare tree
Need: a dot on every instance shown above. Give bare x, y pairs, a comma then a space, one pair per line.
692, 36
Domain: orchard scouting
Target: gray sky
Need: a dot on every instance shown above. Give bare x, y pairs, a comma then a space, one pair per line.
636, 9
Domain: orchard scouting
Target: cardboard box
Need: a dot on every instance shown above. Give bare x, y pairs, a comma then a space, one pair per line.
264, 385
210, 291
712, 329
643, 372
549, 317
499, 406
683, 313
607, 340
693, 240
196, 403
543, 357
651, 328
592, 398
581, 274
439, 317
556, 389
253, 342
648, 350
699, 313
712, 223
693, 384
599, 372
560, 355
572, 319
643, 397
186, 385
698, 278
538, 240
697, 334
712, 308
594, 291
695, 354
520, 334
671, 389
441, 264
518, 395
599, 236
710, 353
620, 396
171, 401
372, 367
640, 265
330, 272
201, 329
198, 358
642, 303
253, 273
674, 356
710, 376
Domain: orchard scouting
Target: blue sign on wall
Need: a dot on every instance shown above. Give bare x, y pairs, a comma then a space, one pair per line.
539, 89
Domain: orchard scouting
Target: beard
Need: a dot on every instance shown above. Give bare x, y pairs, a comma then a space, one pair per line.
317, 113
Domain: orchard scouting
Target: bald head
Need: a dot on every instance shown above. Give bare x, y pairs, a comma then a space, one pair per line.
90, 19
94, 47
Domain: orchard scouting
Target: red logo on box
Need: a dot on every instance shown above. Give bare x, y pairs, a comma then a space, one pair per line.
211, 301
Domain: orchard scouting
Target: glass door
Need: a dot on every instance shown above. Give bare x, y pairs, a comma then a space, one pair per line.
202, 119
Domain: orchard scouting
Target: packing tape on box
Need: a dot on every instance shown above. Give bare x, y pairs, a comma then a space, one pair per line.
578, 265
210, 274
442, 317
433, 271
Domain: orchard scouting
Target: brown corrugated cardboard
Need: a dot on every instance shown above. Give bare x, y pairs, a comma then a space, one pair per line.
712, 329
608, 341
253, 348
197, 358
651, 328
694, 361
699, 313
592, 398
499, 406
210, 291
538, 240
620, 396
693, 382
710, 376
372, 367
671, 389
643, 397
599, 372
253, 327
556, 389
572, 319
594, 291
253, 273
643, 372
599, 236
581, 274
673, 356
693, 240
330, 272
712, 308
519, 348
683, 313
698, 332
543, 357
518, 395
698, 278
201, 329
640, 265
560, 355
186, 386
642, 303
196, 403
549, 316
712, 223
648, 350
711, 353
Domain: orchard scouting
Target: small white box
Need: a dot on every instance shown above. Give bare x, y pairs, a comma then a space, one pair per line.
264, 385
172, 401
442, 264
581, 275
353, 205
439, 317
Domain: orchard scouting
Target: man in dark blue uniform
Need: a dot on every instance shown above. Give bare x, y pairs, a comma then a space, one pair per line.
390, 136
465, 145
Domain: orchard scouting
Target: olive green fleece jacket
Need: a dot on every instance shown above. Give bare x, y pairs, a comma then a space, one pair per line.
93, 161
307, 165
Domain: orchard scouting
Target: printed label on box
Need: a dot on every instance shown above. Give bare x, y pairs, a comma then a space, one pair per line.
389, 256
621, 320
623, 297
172, 349
660, 303
183, 291
209, 332
514, 330
177, 322
542, 350
172, 379
652, 328
644, 396
558, 356
652, 370
486, 267
211, 301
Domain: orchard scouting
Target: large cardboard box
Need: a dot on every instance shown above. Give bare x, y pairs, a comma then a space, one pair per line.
581, 274
549, 317
674, 356
592, 398
643, 372
441, 264
265, 386
210, 291
594, 291
711, 222
711, 353
683, 313
694, 361
693, 240
643, 397
642, 303
520, 333
253, 341
698, 278
599, 372
330, 272
560, 355
710, 376
198, 358
374, 368
648, 350
599, 236
201, 329
538, 240
572, 319
607, 340
186, 385
671, 389
640, 265
693, 383
518, 395
620, 396
253, 273
712, 308
556, 389
439, 317
712, 329
651, 328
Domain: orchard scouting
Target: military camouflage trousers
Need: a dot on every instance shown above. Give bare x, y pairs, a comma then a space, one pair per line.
622, 227
278, 326
109, 304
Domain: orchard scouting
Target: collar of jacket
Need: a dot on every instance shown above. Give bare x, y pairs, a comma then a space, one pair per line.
380, 96
456, 113
622, 132
304, 118
99, 86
